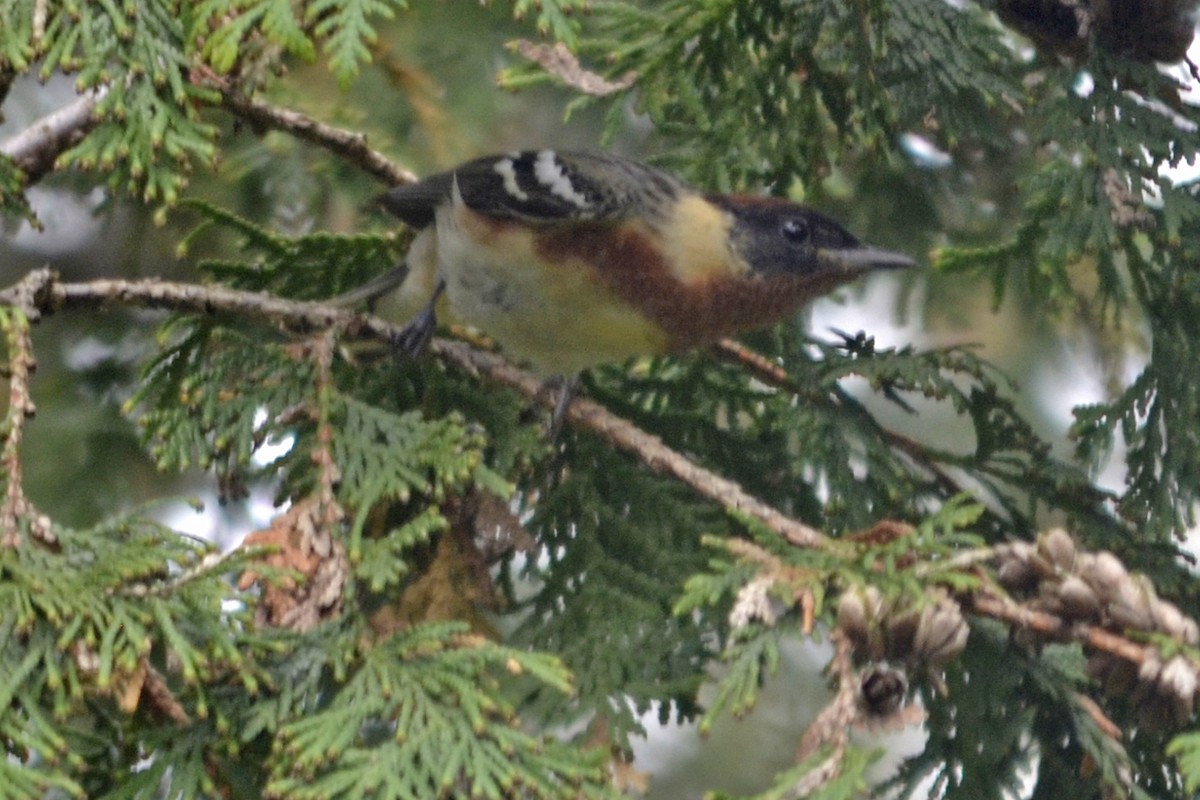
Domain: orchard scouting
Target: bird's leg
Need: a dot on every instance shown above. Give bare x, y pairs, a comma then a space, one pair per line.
567, 387
415, 336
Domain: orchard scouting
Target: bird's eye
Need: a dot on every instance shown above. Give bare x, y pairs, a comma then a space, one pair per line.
795, 230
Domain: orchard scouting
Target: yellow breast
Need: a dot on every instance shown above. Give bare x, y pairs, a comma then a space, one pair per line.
560, 317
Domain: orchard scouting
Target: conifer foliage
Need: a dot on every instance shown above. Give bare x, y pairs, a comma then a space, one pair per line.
452, 600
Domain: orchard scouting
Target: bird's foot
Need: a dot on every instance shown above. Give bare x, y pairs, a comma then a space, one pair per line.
567, 387
416, 335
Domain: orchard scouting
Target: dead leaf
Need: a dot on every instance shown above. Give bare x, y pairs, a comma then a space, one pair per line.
562, 64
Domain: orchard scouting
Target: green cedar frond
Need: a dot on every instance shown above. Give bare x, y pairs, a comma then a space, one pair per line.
24, 782
181, 765
13, 202
751, 657
618, 545
387, 455
224, 27
314, 266
83, 623
384, 456
346, 28
771, 78
963, 58
196, 410
849, 782
381, 561
16, 46
422, 715
151, 133
1163, 481
902, 566
558, 19
1186, 748
986, 702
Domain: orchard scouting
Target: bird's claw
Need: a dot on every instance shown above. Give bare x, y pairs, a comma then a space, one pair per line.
414, 337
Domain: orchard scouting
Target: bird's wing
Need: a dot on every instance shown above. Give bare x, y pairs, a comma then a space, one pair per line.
539, 187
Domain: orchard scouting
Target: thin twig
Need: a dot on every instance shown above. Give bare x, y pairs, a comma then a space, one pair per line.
348, 144
322, 350
36, 148
987, 604
297, 316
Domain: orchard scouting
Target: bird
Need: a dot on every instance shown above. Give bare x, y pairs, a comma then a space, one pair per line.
571, 259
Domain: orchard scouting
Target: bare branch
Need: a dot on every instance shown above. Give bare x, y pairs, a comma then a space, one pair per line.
348, 144
832, 726
40, 292
36, 148
15, 507
295, 315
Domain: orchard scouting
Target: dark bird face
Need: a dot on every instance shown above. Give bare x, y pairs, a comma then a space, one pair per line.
775, 236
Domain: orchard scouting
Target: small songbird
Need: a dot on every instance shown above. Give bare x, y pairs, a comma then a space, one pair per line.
571, 259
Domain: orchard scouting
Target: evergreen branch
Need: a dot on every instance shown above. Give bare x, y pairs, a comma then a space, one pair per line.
15, 506
559, 61
1091, 598
309, 526
299, 316
36, 148
734, 352
208, 566
40, 291
348, 144
1139, 648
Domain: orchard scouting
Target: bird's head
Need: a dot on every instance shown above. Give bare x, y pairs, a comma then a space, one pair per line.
777, 237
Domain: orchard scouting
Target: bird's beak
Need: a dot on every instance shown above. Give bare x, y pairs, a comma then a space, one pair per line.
866, 258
